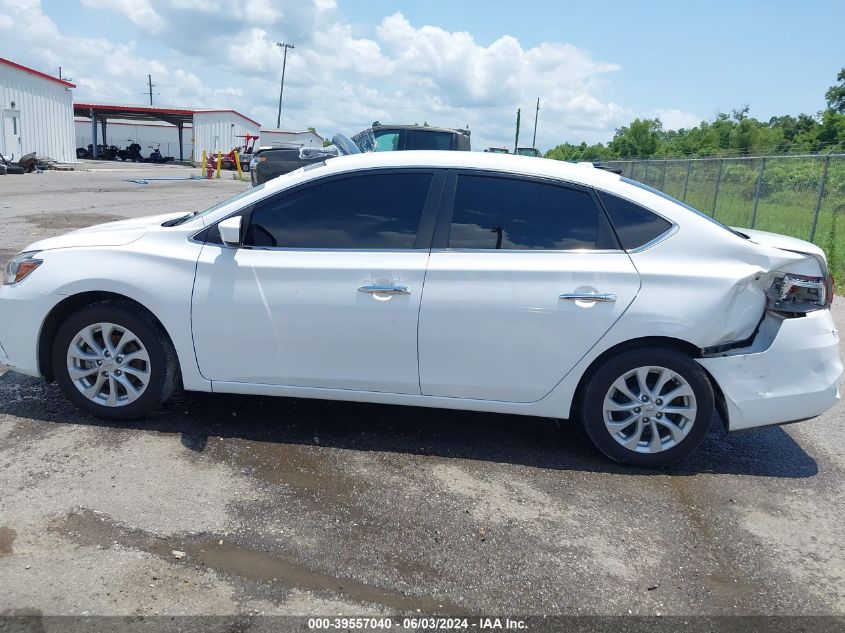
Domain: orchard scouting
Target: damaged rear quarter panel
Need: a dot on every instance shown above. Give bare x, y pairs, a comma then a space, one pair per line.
790, 368
709, 300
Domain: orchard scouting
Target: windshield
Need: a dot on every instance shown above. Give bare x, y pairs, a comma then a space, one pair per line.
666, 196
219, 205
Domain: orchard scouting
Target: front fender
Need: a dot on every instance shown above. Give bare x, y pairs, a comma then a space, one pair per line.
159, 276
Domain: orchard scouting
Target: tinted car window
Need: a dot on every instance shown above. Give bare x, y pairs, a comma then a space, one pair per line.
419, 139
504, 213
387, 141
368, 211
635, 225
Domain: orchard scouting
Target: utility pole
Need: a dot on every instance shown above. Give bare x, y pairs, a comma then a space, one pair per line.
536, 114
516, 139
150, 86
284, 47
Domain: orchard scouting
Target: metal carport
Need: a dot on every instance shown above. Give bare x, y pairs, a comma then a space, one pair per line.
99, 112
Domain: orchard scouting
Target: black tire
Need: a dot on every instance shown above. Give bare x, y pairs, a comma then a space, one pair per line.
163, 364
592, 405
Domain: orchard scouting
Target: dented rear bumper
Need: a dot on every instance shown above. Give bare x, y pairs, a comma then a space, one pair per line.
790, 372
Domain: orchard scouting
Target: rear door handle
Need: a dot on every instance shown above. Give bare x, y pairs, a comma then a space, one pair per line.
588, 296
384, 289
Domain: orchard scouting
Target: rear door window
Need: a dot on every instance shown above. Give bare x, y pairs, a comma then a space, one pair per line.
368, 211
501, 213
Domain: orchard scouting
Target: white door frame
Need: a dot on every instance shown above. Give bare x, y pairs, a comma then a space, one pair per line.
13, 116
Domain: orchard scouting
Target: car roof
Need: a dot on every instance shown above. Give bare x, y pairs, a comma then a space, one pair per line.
582, 173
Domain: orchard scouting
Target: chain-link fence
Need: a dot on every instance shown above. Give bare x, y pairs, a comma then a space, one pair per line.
802, 196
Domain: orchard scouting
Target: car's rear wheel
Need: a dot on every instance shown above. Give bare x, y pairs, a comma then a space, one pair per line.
648, 407
114, 361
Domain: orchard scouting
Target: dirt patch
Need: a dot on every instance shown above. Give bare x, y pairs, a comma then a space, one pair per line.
7, 538
498, 501
308, 471
228, 557
70, 220
19, 395
730, 588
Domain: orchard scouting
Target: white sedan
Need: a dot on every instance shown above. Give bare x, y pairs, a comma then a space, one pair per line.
459, 280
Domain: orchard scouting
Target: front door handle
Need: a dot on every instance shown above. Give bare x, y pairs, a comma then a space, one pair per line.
588, 296
384, 289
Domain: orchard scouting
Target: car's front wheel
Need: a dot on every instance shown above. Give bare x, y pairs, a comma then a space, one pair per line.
114, 361
648, 407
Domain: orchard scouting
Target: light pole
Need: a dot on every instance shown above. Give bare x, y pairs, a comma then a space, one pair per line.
284, 47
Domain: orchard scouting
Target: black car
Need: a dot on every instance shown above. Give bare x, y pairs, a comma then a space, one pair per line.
272, 161
390, 138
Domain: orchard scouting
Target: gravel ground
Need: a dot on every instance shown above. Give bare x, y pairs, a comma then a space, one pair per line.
233, 505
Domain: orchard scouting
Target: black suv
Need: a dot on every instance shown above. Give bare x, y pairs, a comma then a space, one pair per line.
391, 138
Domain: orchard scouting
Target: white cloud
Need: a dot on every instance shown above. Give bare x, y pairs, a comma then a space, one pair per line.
674, 119
340, 76
139, 12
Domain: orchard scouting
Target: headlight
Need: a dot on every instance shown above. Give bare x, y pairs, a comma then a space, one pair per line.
20, 266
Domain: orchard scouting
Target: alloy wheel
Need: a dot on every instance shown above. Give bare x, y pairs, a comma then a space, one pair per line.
649, 409
108, 364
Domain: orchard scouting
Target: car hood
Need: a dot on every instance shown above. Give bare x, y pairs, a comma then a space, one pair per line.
109, 234
783, 242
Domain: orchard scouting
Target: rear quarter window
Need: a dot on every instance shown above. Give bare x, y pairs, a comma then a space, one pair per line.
635, 225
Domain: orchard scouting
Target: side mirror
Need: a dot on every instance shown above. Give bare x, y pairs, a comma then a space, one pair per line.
230, 231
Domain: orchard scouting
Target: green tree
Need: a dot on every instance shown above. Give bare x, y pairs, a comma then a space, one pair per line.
835, 95
578, 153
640, 138
832, 129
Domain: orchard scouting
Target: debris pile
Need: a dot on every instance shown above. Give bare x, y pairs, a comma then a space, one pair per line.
28, 163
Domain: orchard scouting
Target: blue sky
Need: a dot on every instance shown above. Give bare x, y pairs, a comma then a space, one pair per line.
460, 62
778, 57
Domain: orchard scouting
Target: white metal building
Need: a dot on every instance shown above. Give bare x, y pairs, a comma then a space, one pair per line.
36, 113
306, 138
219, 130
